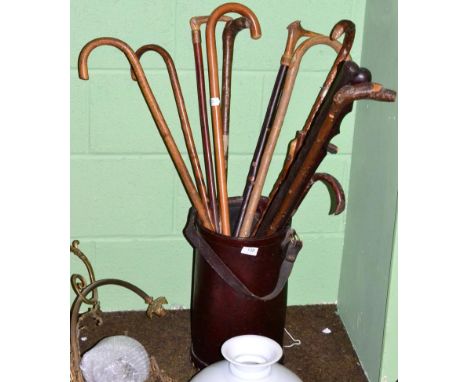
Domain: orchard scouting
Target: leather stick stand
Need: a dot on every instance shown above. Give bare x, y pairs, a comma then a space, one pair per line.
239, 285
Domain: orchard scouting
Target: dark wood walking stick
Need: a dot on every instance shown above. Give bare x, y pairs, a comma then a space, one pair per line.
347, 28
348, 71
246, 226
183, 117
360, 75
255, 33
314, 150
342, 27
335, 190
155, 113
295, 32
195, 24
229, 35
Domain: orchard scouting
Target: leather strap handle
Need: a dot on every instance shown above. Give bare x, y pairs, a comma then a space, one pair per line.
291, 247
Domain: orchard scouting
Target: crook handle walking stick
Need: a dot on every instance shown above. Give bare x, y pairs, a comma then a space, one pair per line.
295, 32
231, 29
246, 226
195, 24
314, 150
183, 117
155, 113
255, 33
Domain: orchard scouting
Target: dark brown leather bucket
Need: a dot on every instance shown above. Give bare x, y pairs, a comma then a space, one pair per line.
234, 293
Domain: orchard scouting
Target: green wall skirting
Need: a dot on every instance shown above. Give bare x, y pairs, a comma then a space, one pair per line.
372, 201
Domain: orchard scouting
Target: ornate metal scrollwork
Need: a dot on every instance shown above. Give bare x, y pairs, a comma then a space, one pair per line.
82, 290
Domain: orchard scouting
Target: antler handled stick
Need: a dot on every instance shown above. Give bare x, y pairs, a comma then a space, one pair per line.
231, 29
183, 117
314, 150
246, 227
295, 32
255, 33
195, 24
155, 113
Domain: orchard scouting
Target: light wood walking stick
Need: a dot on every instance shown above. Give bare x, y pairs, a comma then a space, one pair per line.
295, 32
255, 33
246, 227
155, 113
195, 24
183, 117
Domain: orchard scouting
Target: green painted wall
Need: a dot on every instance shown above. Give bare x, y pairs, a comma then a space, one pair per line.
372, 196
127, 204
389, 368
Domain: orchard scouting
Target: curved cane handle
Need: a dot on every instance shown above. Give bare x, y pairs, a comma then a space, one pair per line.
255, 33
183, 116
335, 189
155, 113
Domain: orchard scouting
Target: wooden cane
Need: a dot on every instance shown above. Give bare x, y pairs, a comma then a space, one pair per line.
195, 24
155, 113
183, 117
334, 188
347, 28
231, 29
295, 33
342, 27
314, 150
246, 227
255, 33
347, 72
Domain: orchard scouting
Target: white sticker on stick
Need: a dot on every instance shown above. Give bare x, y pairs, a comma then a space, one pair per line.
251, 251
215, 101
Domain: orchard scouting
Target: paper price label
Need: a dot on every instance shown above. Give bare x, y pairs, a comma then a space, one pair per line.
251, 251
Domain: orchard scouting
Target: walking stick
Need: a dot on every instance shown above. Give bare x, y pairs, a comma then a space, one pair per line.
229, 35
155, 113
347, 28
342, 27
295, 32
348, 71
183, 117
355, 76
195, 23
314, 150
255, 33
246, 227
335, 190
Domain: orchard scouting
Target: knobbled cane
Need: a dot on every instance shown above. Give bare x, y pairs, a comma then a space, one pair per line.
231, 29
348, 73
216, 118
195, 24
295, 32
314, 150
183, 117
246, 227
155, 113
347, 28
